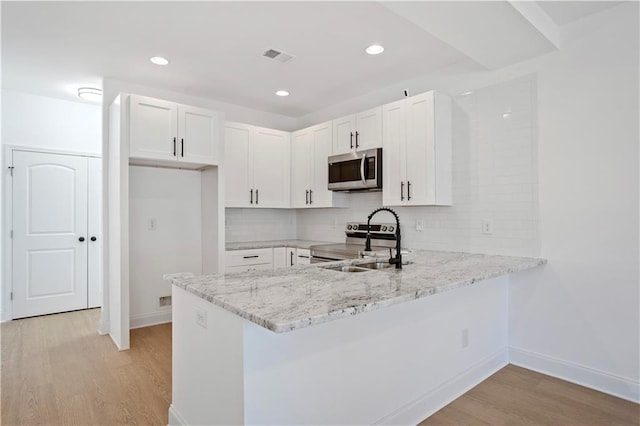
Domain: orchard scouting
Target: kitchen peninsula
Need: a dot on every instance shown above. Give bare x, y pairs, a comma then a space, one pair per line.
263, 346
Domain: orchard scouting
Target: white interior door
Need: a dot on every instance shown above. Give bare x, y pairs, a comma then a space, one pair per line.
49, 233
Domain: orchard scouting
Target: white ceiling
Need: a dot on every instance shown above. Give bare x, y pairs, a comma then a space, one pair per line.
215, 48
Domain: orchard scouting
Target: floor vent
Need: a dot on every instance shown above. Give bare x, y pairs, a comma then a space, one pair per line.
276, 55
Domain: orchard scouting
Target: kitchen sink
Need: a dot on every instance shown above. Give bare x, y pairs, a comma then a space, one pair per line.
376, 265
347, 268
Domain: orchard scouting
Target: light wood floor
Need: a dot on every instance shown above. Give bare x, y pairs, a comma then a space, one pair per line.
57, 370
516, 396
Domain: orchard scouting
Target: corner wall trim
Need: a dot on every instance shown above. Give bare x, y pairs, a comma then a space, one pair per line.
416, 411
584, 376
175, 419
146, 320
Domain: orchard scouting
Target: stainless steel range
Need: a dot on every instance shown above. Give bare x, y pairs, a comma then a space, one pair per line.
383, 237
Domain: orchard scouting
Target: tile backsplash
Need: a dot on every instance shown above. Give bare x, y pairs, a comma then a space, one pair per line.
494, 179
259, 224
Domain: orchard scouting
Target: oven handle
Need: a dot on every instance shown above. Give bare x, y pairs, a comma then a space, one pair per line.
364, 158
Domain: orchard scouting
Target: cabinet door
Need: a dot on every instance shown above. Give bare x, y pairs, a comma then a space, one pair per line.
394, 185
280, 259
344, 135
271, 168
300, 168
369, 129
197, 134
420, 156
321, 136
237, 165
153, 128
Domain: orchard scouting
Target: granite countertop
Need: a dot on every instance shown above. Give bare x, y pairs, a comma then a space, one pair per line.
246, 245
286, 299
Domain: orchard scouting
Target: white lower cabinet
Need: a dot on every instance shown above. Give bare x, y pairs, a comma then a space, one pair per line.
248, 260
417, 159
284, 257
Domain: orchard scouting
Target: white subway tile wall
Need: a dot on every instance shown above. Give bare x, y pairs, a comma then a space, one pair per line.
495, 179
259, 224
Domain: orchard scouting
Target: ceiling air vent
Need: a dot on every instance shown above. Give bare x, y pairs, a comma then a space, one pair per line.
277, 55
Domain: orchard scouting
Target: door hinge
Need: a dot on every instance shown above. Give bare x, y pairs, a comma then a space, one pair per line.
11, 296
11, 170
11, 235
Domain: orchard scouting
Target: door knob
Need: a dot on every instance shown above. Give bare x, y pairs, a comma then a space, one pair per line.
93, 238
81, 239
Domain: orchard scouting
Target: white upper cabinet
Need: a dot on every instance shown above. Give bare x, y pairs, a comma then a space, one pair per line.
168, 132
310, 150
256, 166
417, 152
358, 132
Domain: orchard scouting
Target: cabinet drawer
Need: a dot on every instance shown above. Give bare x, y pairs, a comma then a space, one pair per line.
247, 268
249, 257
303, 257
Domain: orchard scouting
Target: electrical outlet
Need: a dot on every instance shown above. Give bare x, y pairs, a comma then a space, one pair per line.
164, 301
153, 224
419, 225
465, 337
201, 318
487, 227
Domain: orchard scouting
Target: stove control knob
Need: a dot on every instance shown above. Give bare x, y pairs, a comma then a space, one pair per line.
384, 228
349, 226
391, 229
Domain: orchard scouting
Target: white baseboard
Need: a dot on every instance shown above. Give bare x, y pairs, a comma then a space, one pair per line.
584, 376
175, 419
426, 405
146, 320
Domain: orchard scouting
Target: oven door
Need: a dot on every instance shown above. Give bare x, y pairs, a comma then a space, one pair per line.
356, 171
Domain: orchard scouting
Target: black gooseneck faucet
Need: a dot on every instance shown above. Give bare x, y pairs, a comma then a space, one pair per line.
397, 260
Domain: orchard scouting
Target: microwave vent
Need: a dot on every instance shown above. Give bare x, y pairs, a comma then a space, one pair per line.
277, 55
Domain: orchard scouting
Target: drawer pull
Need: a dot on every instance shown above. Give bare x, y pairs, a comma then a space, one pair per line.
250, 257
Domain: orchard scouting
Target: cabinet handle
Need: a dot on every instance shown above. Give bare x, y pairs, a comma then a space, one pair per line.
291, 253
182, 147
357, 134
310, 196
351, 140
250, 257
408, 191
303, 256
93, 238
256, 196
174, 147
251, 197
401, 191
306, 197
81, 239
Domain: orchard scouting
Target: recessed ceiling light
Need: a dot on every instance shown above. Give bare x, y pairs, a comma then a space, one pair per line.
282, 93
90, 94
374, 49
159, 60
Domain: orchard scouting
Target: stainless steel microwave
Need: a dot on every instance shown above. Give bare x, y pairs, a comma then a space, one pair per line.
356, 171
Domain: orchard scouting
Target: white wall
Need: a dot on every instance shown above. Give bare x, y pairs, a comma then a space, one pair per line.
173, 199
41, 122
579, 316
494, 178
